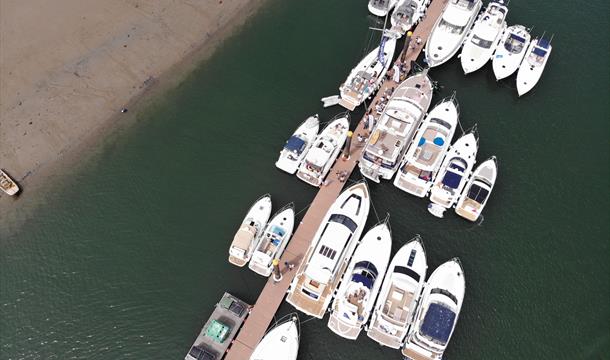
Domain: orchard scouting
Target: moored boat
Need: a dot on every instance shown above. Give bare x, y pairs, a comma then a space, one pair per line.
249, 232
453, 173
533, 65
361, 283
273, 241
438, 312
324, 152
476, 192
450, 29
332, 246
394, 131
406, 14
511, 51
484, 37
423, 158
364, 80
396, 305
8, 185
381, 7
298, 145
281, 342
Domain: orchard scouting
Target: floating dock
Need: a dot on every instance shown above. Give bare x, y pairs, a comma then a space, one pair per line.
273, 293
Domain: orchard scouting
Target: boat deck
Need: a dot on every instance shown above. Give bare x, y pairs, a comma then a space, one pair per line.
273, 293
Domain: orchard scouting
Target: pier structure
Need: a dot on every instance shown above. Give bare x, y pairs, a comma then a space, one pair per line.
274, 292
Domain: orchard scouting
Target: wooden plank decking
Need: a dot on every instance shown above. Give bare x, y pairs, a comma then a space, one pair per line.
273, 293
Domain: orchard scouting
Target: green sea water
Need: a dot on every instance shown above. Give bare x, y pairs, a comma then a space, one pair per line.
126, 256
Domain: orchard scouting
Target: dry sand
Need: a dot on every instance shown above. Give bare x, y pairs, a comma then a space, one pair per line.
67, 67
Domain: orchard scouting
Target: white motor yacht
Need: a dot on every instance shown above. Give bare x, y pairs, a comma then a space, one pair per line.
407, 13
324, 152
8, 185
423, 158
450, 29
281, 342
364, 80
533, 65
438, 313
249, 232
332, 246
361, 283
394, 131
273, 241
477, 191
298, 145
484, 37
381, 7
397, 302
511, 51
453, 174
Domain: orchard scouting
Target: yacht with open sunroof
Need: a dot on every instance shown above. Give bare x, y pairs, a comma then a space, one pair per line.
273, 241
423, 158
395, 128
251, 228
476, 192
328, 255
438, 312
397, 302
298, 145
361, 283
511, 51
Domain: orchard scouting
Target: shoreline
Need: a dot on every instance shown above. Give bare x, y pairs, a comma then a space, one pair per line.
42, 168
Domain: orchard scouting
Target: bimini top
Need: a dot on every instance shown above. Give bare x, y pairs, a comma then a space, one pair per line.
438, 323
295, 144
452, 179
517, 37
539, 51
544, 43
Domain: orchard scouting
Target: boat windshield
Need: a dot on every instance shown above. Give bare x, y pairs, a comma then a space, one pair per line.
485, 44
478, 193
449, 27
514, 44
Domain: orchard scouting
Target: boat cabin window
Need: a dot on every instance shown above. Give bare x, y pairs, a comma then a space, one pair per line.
344, 220
412, 257
410, 273
485, 44
358, 198
446, 293
446, 25
441, 122
328, 252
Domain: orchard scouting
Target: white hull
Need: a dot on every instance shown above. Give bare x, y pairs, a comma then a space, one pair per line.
484, 37
322, 155
476, 193
407, 13
454, 172
381, 7
333, 244
7, 184
273, 241
298, 145
247, 236
281, 342
364, 80
361, 283
423, 158
394, 131
396, 305
438, 313
450, 30
532, 66
511, 51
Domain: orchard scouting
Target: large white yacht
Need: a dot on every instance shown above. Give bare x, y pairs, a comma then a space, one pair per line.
453, 174
361, 283
533, 65
381, 7
8, 185
281, 342
511, 51
332, 246
450, 29
298, 145
406, 14
397, 124
438, 313
397, 302
477, 191
484, 37
249, 232
273, 241
324, 152
423, 158
364, 80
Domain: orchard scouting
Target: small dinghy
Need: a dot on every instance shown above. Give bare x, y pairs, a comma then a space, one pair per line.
511, 51
273, 241
298, 145
281, 342
477, 191
533, 65
8, 185
249, 232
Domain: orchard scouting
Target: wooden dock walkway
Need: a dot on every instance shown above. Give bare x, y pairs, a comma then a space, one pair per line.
274, 292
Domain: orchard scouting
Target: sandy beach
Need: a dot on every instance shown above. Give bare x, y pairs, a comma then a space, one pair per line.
68, 67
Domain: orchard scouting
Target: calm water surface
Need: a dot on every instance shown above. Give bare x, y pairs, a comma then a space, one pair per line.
127, 256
